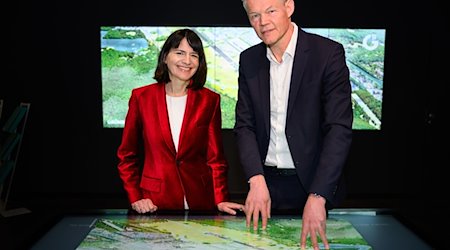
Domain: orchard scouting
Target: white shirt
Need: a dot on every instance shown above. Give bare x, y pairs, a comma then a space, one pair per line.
176, 106
280, 79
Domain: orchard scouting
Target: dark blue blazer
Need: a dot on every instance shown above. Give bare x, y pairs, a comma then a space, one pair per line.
319, 116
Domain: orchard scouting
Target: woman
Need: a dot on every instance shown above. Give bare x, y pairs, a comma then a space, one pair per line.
171, 156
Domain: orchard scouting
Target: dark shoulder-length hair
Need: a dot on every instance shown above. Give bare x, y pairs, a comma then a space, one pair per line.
173, 41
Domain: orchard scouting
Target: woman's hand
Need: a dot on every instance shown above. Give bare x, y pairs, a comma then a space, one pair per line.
230, 207
144, 206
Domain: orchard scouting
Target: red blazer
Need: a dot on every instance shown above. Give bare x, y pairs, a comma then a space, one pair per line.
199, 169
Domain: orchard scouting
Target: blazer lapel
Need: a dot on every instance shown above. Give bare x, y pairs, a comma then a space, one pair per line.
164, 117
301, 57
264, 89
188, 118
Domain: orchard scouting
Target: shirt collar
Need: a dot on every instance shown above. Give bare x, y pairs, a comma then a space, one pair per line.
290, 50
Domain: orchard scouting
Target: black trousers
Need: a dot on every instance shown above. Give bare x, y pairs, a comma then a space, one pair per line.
286, 191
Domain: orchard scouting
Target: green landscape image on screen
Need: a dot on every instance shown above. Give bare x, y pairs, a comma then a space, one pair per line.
129, 56
144, 232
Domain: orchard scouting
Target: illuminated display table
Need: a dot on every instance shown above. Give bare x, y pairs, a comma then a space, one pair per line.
119, 229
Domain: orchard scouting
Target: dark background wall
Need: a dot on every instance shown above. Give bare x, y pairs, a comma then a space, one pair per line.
51, 58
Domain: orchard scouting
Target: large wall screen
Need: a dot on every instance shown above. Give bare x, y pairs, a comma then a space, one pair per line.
129, 55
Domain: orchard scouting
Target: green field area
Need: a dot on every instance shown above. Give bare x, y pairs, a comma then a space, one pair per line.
215, 233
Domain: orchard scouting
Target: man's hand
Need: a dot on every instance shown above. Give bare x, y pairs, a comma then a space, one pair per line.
144, 206
314, 222
257, 202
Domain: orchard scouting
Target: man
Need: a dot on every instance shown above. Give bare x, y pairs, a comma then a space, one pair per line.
293, 119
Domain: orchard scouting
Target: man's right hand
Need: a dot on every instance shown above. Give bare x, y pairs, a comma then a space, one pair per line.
257, 202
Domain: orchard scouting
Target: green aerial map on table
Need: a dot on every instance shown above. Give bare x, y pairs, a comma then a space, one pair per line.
211, 233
